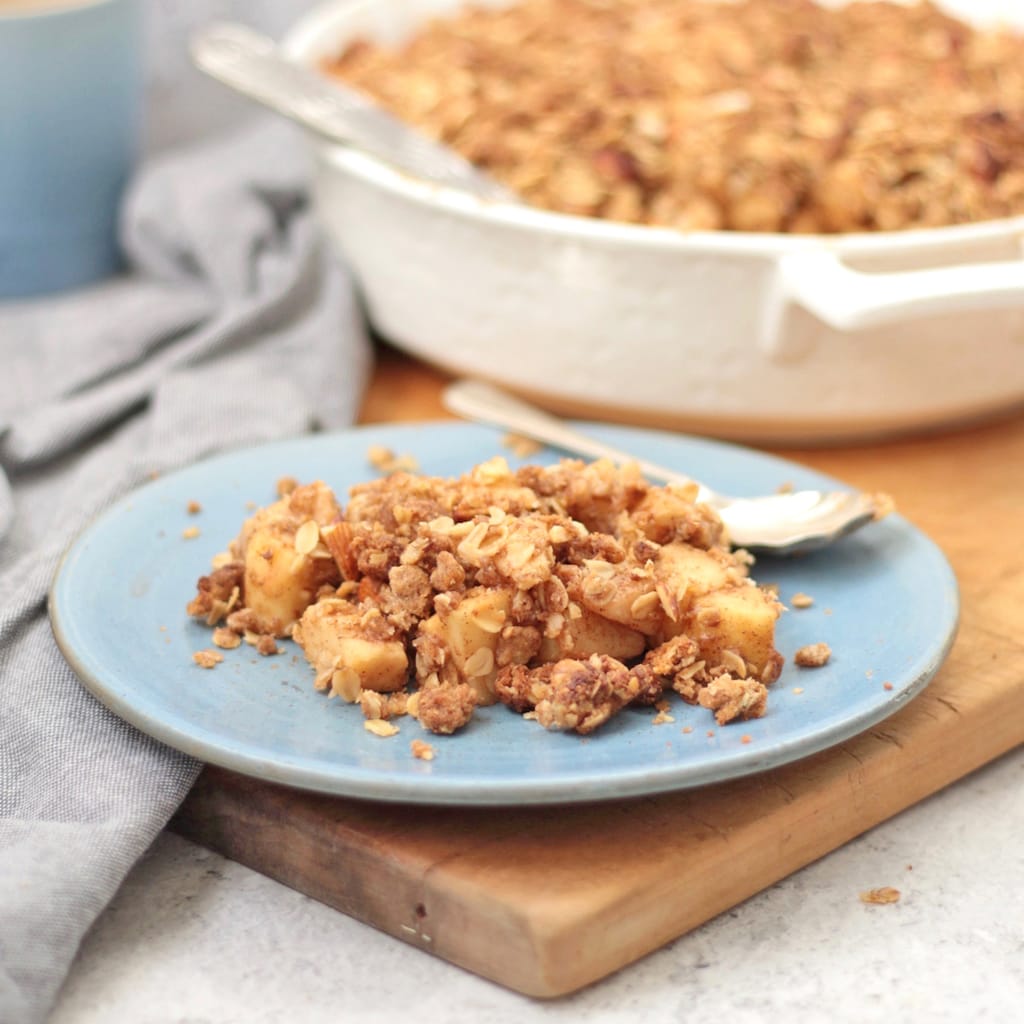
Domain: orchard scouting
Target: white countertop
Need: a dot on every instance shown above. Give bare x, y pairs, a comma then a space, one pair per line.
192, 938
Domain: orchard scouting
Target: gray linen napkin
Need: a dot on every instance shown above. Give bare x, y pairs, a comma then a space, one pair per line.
234, 326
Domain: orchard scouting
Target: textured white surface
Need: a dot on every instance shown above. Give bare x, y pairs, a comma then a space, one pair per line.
194, 938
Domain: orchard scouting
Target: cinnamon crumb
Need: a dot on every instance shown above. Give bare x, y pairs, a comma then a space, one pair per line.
813, 655
266, 645
386, 461
884, 505
226, 638
424, 751
520, 446
886, 894
207, 658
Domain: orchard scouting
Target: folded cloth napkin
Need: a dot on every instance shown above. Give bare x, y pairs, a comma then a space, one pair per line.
233, 326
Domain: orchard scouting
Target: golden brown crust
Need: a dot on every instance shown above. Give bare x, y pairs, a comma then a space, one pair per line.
786, 115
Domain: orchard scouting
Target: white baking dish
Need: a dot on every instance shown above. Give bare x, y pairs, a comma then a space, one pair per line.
761, 337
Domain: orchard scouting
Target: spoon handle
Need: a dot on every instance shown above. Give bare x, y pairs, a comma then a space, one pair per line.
251, 63
476, 400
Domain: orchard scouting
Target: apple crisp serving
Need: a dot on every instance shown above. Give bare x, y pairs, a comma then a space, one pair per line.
566, 592
750, 115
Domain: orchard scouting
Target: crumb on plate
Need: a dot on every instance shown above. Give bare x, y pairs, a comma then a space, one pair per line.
813, 655
386, 461
421, 750
226, 638
520, 446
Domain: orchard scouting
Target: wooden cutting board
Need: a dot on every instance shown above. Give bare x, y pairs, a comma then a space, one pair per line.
547, 900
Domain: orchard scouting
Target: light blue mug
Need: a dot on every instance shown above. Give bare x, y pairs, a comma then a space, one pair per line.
71, 92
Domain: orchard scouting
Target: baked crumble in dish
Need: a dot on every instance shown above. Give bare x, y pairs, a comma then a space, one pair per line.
751, 115
565, 592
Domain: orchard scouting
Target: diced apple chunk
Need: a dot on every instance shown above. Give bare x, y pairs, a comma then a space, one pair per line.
685, 573
470, 633
380, 665
737, 621
278, 584
620, 593
314, 501
345, 656
590, 633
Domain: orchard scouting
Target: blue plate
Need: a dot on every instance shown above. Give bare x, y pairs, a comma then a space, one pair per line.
885, 601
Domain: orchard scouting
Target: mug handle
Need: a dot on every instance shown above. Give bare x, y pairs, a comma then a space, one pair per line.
817, 280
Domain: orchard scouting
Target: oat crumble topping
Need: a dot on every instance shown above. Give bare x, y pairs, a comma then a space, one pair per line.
758, 115
266, 645
421, 750
207, 659
813, 655
566, 592
386, 461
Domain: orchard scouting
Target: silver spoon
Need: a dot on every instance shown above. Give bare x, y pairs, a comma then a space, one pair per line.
252, 64
782, 524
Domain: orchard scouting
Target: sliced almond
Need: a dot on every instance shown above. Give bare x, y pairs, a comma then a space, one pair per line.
644, 604
307, 537
345, 683
480, 662
379, 727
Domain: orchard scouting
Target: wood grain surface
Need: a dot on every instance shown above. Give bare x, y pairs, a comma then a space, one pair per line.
546, 900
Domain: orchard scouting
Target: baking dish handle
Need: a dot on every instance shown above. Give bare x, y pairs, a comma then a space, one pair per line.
850, 300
